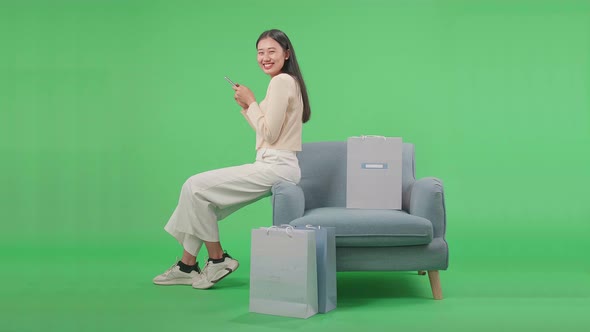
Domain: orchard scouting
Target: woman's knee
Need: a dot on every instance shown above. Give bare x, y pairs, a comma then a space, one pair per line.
193, 184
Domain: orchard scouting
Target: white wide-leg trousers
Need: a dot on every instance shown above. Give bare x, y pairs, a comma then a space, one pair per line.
208, 197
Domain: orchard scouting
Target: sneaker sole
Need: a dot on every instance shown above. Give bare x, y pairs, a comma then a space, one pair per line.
219, 277
174, 282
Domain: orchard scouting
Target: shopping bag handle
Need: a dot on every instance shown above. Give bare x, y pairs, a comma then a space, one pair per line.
363, 137
269, 228
306, 226
287, 228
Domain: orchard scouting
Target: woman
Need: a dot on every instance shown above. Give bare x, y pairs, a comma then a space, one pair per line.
208, 197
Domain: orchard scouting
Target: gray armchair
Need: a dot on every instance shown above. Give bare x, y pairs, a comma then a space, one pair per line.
412, 239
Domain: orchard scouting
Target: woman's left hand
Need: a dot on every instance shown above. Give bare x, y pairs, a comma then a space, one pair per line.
243, 95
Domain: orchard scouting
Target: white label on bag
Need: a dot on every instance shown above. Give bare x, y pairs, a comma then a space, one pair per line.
374, 165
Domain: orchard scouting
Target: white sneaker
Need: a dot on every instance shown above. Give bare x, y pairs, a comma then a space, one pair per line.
173, 276
214, 272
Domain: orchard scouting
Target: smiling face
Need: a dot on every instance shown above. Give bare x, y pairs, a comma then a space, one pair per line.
271, 56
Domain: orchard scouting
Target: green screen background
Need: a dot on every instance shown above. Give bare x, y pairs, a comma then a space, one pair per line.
108, 106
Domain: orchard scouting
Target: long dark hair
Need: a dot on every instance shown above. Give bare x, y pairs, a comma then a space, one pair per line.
291, 66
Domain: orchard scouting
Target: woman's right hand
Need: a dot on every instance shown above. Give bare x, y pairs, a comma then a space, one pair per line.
243, 96
244, 106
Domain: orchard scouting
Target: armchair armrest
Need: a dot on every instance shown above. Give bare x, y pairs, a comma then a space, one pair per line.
288, 202
428, 201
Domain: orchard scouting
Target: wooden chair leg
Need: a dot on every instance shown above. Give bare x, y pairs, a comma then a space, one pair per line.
435, 284
421, 272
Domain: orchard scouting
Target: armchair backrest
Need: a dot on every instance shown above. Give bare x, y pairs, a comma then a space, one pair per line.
323, 174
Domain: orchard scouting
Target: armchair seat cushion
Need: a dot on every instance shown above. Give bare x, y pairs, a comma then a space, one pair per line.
370, 228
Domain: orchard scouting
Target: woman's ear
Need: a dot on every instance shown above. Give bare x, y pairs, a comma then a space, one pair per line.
287, 55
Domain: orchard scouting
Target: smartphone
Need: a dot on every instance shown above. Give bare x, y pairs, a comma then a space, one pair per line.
230, 81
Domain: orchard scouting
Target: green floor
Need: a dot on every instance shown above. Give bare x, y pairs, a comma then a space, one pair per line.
106, 286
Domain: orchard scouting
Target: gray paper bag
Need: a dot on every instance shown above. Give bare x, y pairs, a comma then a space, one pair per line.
374, 172
326, 261
283, 272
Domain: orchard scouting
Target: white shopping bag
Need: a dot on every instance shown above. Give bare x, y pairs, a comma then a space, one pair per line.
283, 272
374, 172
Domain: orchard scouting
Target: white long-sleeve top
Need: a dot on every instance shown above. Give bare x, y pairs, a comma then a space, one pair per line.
277, 119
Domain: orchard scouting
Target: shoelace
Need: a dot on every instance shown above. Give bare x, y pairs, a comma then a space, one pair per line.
209, 264
170, 269
206, 269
